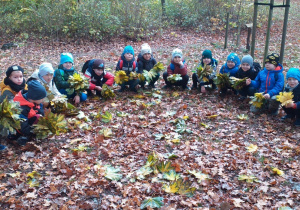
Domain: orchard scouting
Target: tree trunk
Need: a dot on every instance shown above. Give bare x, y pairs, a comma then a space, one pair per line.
163, 8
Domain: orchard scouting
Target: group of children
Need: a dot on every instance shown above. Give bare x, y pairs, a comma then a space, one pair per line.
34, 95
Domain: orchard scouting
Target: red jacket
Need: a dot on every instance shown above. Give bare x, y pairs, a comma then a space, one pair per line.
177, 69
108, 78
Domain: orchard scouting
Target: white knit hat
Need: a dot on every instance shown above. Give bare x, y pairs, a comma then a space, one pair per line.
46, 68
145, 49
176, 52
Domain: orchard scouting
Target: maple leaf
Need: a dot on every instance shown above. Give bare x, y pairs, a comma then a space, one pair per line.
107, 132
258, 100
107, 93
112, 173
152, 159
78, 83
175, 94
252, 148
164, 166
203, 72
277, 171
143, 171
121, 77
174, 78
237, 83
285, 208
242, 117
9, 117
285, 98
171, 175
222, 80
181, 127
159, 136
249, 179
199, 175
49, 125
80, 148
33, 179
122, 114
155, 202
171, 188
106, 117
158, 67
185, 188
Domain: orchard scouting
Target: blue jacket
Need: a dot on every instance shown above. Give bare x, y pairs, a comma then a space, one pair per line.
225, 69
270, 82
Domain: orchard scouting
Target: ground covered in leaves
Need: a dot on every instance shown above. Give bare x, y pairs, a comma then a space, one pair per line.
224, 156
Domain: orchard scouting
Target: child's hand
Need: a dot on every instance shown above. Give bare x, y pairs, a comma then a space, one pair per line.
290, 105
267, 96
76, 99
248, 81
180, 63
203, 89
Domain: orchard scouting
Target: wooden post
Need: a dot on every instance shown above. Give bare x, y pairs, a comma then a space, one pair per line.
249, 27
226, 34
268, 30
286, 16
254, 28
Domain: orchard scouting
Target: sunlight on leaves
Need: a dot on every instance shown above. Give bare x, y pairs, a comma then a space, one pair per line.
249, 179
252, 148
242, 117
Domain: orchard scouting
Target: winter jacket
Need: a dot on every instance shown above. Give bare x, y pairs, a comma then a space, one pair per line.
296, 93
175, 68
225, 69
51, 86
144, 64
61, 77
269, 82
30, 112
250, 73
127, 65
7, 92
95, 80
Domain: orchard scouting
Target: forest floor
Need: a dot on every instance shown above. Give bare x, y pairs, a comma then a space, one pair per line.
193, 132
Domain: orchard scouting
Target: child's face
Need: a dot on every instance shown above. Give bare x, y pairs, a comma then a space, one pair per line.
37, 101
48, 77
147, 56
98, 71
16, 77
177, 59
292, 82
245, 66
270, 66
206, 61
230, 64
128, 56
67, 65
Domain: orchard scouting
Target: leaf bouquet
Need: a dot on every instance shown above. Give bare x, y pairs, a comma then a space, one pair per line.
174, 78
285, 98
59, 104
133, 75
78, 83
50, 125
237, 83
150, 75
106, 92
258, 100
9, 116
121, 77
203, 72
222, 81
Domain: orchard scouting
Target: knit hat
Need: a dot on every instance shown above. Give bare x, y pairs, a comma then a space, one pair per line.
206, 54
36, 90
248, 59
46, 68
13, 68
66, 57
145, 49
234, 58
273, 59
98, 64
294, 73
176, 52
128, 49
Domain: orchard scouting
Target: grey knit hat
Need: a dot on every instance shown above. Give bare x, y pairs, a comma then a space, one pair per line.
247, 59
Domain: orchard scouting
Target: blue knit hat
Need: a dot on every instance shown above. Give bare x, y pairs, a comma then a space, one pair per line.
234, 58
66, 57
45, 68
294, 73
248, 59
128, 49
36, 90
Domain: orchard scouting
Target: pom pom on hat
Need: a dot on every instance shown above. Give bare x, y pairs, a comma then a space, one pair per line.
66, 57
36, 90
13, 68
247, 59
98, 64
128, 49
176, 52
45, 68
206, 54
146, 49
273, 59
294, 73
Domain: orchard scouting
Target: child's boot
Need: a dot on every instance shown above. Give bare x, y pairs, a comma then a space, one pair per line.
297, 122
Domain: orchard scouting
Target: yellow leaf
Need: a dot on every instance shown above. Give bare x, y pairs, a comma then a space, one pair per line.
173, 188
175, 94
243, 117
212, 116
277, 171
285, 98
185, 117
252, 148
